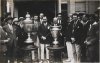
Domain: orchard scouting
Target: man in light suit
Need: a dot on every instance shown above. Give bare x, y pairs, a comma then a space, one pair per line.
44, 36
11, 45
35, 28
35, 34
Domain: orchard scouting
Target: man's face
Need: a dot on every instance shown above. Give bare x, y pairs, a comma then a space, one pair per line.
16, 23
74, 17
44, 20
10, 21
59, 16
55, 20
35, 17
41, 16
84, 19
9, 16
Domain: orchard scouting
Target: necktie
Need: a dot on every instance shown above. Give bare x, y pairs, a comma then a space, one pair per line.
90, 27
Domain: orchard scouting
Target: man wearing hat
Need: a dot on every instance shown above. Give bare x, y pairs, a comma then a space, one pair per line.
15, 20
11, 45
44, 36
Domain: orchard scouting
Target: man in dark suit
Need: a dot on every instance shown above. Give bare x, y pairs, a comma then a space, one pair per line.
44, 36
92, 42
76, 35
85, 26
11, 46
21, 36
68, 34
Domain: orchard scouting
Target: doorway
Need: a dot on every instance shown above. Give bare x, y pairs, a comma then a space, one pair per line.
47, 7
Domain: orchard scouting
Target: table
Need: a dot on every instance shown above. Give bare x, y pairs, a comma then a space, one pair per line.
56, 53
28, 52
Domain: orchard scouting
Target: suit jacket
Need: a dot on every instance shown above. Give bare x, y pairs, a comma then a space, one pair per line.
44, 31
22, 36
11, 35
69, 31
93, 44
76, 31
85, 29
3, 34
35, 31
93, 35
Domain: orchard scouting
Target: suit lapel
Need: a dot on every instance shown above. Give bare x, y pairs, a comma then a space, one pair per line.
10, 29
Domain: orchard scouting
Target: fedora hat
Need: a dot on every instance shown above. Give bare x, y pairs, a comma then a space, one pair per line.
9, 18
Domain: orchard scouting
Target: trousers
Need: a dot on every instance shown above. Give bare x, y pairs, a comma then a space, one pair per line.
43, 47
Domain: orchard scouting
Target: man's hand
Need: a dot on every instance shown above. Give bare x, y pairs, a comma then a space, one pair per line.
17, 38
61, 34
5, 41
87, 43
44, 38
73, 40
33, 33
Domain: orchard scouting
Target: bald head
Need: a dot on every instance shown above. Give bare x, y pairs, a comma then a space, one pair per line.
55, 20
41, 15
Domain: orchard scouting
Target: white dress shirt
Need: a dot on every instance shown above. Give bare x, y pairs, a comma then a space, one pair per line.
10, 27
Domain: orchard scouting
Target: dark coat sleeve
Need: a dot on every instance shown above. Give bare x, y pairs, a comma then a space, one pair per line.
3, 34
77, 34
93, 35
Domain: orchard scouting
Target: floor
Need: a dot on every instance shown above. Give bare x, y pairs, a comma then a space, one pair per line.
27, 59
3, 59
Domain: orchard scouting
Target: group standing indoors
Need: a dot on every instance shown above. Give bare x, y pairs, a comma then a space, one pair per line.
79, 35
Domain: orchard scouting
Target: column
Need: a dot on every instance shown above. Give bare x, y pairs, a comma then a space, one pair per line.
72, 6
59, 6
0, 12
10, 6
87, 7
99, 10
15, 11
68, 5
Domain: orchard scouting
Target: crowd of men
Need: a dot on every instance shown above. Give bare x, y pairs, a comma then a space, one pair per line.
81, 30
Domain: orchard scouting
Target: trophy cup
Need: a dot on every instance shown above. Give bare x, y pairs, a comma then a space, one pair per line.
55, 31
29, 43
28, 25
56, 48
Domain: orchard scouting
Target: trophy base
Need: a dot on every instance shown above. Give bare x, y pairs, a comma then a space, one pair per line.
55, 46
55, 42
29, 40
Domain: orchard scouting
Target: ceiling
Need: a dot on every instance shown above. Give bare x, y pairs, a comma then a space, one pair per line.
32, 0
